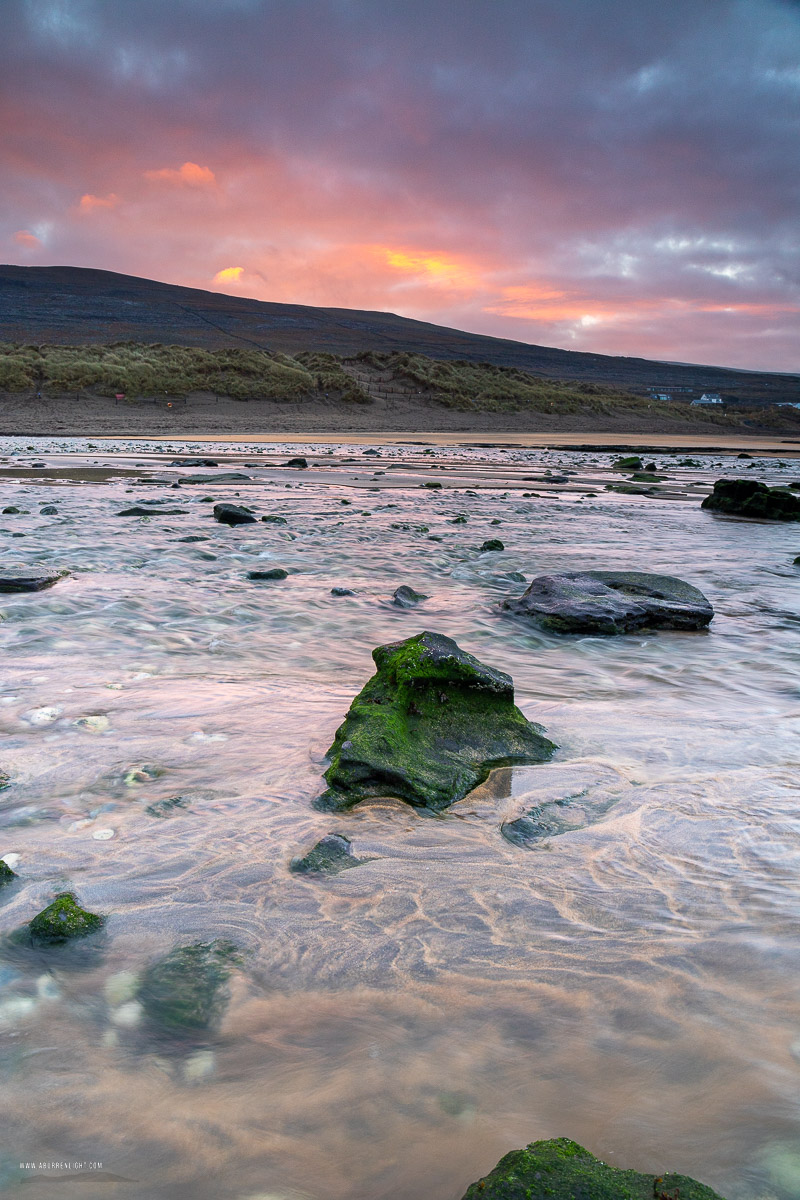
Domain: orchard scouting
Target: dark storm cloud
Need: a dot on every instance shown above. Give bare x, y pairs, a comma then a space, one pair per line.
553, 171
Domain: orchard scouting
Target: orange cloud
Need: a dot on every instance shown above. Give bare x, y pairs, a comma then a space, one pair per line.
191, 174
229, 275
433, 269
29, 240
89, 203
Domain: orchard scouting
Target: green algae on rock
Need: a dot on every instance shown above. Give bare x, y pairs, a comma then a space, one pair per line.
427, 728
332, 854
184, 992
62, 920
560, 1169
749, 498
6, 874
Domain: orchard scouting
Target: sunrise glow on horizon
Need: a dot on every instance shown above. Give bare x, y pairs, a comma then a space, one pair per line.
619, 179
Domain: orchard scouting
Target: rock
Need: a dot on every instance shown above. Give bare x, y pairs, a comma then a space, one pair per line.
29, 581
610, 602
458, 519
342, 591
374, 453
184, 992
49, 510
297, 462
10, 509
797, 561
332, 854
748, 498
63, 920
492, 544
226, 477
406, 597
630, 489
272, 519
232, 514
560, 1169
166, 808
651, 466
431, 485
139, 511
194, 462
427, 728
6, 874
631, 463
194, 537
744, 454
272, 573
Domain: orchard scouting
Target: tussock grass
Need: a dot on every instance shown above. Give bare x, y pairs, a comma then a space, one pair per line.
155, 370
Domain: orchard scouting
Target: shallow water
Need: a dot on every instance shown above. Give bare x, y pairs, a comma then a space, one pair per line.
393, 1030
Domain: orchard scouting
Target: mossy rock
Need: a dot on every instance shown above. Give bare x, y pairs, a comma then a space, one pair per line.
184, 992
560, 1169
749, 498
631, 463
6, 874
407, 597
332, 854
63, 920
427, 728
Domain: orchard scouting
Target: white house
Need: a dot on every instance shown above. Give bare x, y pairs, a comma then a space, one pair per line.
708, 398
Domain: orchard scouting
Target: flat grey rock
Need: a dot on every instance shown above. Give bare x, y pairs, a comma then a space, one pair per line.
30, 580
611, 602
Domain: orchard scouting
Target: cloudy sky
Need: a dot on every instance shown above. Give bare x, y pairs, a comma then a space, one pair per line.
619, 176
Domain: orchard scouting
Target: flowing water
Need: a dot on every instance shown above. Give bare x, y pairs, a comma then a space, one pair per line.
631, 982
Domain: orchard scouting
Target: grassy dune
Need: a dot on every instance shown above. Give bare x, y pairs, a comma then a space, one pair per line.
389, 380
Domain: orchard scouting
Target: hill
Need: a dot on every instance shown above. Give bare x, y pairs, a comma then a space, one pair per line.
72, 306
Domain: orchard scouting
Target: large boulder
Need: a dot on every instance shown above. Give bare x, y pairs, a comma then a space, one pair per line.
748, 498
609, 602
560, 1169
427, 728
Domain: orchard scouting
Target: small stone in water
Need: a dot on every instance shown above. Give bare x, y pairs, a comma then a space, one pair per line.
103, 835
129, 1015
42, 716
62, 920
121, 987
94, 724
272, 573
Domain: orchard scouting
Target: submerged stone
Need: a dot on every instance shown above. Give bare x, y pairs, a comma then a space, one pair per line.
560, 1169
233, 514
274, 519
332, 854
492, 544
342, 591
184, 992
748, 498
270, 573
29, 581
49, 510
223, 477
62, 920
139, 511
427, 728
611, 602
406, 597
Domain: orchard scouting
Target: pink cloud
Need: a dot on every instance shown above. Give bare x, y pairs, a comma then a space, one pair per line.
191, 174
29, 240
88, 202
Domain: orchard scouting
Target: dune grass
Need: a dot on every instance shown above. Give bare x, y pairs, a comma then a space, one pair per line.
154, 371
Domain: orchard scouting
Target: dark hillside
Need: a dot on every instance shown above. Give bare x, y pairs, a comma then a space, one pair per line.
77, 305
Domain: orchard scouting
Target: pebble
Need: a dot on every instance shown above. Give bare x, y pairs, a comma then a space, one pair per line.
128, 1016
121, 987
98, 724
199, 1066
42, 716
104, 835
16, 1009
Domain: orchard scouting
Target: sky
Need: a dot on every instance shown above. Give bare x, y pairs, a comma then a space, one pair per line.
614, 176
